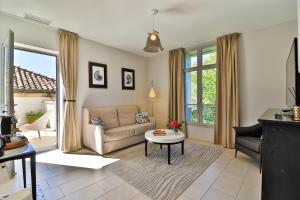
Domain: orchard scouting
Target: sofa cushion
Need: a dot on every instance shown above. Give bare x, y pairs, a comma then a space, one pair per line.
108, 115
127, 115
142, 128
252, 143
97, 121
118, 133
141, 117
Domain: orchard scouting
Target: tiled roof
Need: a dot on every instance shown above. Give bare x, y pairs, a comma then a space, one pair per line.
31, 82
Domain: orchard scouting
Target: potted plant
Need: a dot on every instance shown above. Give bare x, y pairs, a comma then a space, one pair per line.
33, 116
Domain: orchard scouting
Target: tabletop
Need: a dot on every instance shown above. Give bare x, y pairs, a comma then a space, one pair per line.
18, 153
170, 137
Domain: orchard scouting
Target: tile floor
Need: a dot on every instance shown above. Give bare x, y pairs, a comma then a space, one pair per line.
48, 138
227, 178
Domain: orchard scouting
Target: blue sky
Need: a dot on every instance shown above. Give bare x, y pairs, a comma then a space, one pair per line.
38, 63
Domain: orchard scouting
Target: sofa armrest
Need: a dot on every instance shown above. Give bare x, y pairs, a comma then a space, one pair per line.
92, 134
151, 119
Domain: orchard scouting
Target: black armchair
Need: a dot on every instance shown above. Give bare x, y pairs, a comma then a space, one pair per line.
248, 141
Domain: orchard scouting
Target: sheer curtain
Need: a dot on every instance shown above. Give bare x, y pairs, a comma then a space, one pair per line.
227, 108
68, 54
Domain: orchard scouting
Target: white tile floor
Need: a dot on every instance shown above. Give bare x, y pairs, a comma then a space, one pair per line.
48, 138
227, 178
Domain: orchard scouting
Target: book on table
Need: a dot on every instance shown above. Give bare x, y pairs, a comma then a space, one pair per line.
159, 132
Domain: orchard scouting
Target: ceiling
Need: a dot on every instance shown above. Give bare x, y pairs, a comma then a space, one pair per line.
124, 24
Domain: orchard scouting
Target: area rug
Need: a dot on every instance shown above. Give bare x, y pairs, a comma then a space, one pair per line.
154, 177
39, 193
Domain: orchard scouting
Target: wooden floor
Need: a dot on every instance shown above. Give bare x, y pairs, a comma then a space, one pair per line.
228, 178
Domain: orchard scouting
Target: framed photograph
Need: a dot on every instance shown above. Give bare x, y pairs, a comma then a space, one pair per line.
97, 75
128, 79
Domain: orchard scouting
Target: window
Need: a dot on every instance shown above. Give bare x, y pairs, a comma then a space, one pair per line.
200, 85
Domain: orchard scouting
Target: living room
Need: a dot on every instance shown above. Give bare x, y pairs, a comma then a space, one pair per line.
127, 76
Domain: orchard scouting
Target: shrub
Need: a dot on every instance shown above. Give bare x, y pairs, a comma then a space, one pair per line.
32, 116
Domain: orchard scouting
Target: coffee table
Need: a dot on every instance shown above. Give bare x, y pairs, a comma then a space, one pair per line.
170, 138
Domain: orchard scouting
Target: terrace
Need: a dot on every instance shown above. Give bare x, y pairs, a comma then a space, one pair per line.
34, 97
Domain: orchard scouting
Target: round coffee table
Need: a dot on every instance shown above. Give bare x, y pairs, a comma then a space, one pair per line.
170, 138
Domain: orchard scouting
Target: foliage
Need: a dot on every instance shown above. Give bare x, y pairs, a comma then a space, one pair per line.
210, 59
33, 116
194, 87
208, 91
194, 115
209, 113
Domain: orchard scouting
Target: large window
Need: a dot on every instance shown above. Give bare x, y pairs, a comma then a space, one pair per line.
200, 85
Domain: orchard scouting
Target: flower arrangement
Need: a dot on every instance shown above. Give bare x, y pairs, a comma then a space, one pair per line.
174, 125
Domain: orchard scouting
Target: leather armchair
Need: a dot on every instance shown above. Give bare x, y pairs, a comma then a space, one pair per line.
248, 140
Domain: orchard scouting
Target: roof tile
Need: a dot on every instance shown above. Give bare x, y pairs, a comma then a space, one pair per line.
29, 81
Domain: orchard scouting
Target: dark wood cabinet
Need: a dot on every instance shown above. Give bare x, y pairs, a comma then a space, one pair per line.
280, 157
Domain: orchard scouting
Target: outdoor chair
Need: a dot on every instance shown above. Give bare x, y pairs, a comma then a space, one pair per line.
38, 125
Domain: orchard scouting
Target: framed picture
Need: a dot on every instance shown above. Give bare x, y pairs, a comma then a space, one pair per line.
128, 79
97, 75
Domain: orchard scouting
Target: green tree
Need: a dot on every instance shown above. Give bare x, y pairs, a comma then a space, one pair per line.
208, 90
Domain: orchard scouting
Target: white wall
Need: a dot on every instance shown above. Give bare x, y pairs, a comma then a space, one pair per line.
158, 70
262, 57
262, 68
115, 60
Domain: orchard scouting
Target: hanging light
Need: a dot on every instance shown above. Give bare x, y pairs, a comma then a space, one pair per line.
153, 43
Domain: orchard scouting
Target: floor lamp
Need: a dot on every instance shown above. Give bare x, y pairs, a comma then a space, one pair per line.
152, 96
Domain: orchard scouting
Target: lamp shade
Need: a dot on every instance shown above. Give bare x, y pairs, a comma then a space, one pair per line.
153, 43
152, 93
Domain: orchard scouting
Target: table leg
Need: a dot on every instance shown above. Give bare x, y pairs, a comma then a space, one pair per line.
169, 153
182, 147
146, 147
33, 176
24, 171
160, 146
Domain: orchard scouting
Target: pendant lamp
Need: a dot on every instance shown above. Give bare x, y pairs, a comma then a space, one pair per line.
153, 43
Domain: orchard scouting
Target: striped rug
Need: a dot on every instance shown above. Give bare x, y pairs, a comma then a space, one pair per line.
154, 177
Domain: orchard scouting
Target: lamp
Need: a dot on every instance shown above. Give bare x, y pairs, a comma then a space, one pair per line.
152, 93
152, 96
153, 43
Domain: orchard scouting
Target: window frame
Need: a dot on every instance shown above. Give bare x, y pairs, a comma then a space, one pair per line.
199, 68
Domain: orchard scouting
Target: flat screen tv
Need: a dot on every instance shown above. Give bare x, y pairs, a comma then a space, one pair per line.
292, 77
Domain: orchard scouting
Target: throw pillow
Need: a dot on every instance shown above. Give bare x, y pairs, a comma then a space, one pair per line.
141, 117
97, 121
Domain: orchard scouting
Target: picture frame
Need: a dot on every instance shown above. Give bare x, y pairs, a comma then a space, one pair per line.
97, 75
128, 79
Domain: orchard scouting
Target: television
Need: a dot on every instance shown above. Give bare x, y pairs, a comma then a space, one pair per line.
292, 77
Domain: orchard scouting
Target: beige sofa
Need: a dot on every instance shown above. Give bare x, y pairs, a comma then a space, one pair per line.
120, 128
